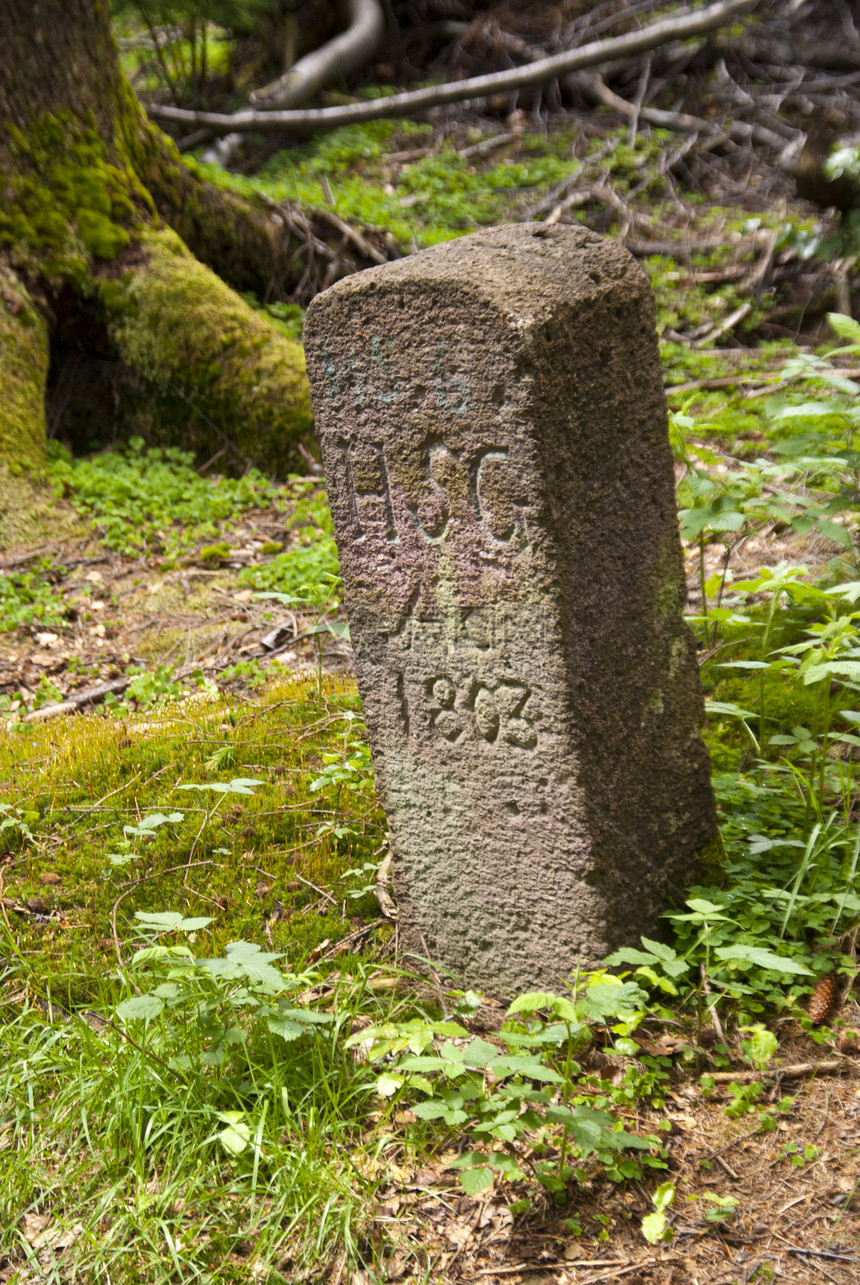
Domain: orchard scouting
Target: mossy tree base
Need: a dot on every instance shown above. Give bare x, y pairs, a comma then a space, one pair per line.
218, 361
23, 373
91, 189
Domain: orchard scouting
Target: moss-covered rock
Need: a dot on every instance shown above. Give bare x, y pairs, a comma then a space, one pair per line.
182, 328
23, 375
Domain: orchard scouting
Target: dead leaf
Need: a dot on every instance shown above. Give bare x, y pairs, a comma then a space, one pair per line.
58, 1237
427, 1176
663, 1046
388, 1209
32, 1225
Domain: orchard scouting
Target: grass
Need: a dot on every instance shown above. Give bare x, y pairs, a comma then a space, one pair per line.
119, 1134
150, 1166
194, 969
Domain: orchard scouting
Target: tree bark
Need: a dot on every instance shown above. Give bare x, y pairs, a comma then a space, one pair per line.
90, 191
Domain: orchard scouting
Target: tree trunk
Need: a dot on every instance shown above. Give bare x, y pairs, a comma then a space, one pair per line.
104, 238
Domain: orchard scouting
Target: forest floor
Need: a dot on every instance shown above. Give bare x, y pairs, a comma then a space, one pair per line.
787, 1162
248, 704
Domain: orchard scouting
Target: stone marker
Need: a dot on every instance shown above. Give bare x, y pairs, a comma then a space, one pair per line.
493, 433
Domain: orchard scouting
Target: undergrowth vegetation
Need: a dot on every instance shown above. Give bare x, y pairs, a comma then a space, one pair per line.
140, 497
206, 1027
212, 1061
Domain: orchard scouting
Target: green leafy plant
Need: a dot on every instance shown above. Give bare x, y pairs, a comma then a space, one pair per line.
29, 598
215, 998
143, 498
347, 775
759, 1046
12, 819
306, 570
655, 1227
490, 1094
719, 1210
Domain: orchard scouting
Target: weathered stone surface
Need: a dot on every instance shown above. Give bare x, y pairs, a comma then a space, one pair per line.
493, 431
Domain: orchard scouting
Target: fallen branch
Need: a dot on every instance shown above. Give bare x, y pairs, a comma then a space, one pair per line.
727, 324
739, 131
792, 1072
712, 1005
536, 73
346, 52
92, 696
819, 1253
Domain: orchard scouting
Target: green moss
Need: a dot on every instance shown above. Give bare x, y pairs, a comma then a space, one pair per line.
711, 858
223, 365
23, 374
67, 202
255, 856
668, 579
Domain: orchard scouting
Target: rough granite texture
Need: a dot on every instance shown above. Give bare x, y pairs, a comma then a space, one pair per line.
493, 431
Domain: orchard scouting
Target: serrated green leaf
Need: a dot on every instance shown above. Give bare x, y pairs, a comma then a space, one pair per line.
845, 327
239, 785
155, 954
478, 1053
529, 1067
469, 1160
140, 1008
543, 1001
387, 1085
287, 1030
308, 1016
654, 1228
169, 920
760, 957
474, 1181
237, 1135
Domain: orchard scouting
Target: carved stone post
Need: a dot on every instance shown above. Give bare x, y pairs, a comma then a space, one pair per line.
493, 431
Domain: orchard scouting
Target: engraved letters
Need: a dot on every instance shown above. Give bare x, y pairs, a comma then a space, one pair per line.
447, 475
370, 490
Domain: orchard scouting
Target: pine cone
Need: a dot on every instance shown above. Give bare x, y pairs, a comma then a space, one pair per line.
823, 1000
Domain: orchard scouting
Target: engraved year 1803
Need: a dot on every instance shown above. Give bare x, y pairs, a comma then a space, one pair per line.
492, 714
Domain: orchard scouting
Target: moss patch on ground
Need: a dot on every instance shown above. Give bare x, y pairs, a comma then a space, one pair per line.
203, 807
